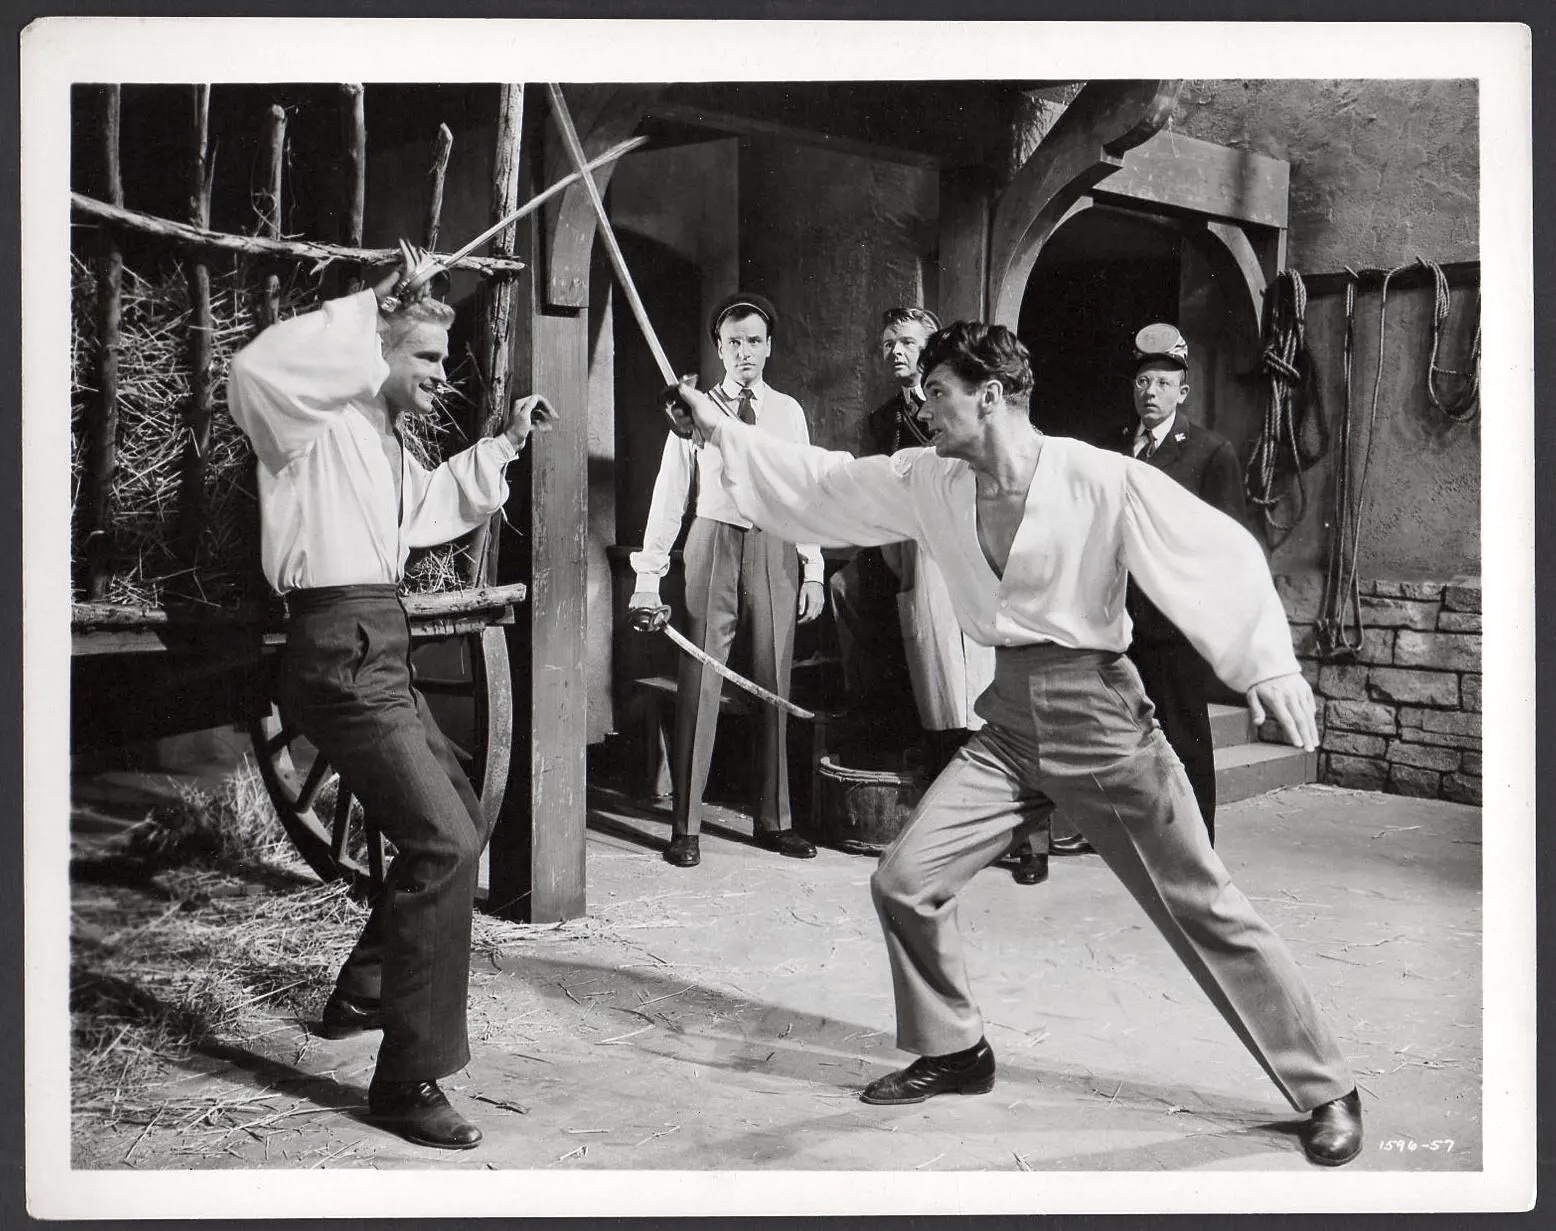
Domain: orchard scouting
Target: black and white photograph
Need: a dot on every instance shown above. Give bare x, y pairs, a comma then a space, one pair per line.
801, 617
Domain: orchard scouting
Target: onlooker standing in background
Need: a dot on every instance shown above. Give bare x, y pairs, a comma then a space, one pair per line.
1177, 680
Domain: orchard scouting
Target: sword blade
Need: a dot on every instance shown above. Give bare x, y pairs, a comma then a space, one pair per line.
735, 678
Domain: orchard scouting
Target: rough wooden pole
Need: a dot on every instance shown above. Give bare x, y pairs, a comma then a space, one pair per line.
441, 149
102, 451
495, 326
270, 204
356, 175
197, 414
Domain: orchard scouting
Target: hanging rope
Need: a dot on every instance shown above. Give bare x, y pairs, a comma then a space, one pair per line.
1342, 581
1466, 405
1281, 452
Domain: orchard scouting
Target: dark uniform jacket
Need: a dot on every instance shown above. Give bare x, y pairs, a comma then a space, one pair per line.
890, 428
1204, 463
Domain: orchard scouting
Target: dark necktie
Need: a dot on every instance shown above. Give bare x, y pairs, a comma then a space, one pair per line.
746, 411
1148, 447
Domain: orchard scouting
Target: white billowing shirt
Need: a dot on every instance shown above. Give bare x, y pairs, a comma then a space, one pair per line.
1093, 518
777, 415
301, 392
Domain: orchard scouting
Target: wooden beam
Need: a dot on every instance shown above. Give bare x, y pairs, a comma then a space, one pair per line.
493, 346
354, 185
1185, 173
270, 203
1087, 143
730, 124
114, 215
102, 448
197, 414
442, 147
604, 116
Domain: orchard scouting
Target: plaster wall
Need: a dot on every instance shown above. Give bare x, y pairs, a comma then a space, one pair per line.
1380, 170
834, 240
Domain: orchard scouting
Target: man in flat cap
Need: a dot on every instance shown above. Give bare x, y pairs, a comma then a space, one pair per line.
736, 575
1176, 677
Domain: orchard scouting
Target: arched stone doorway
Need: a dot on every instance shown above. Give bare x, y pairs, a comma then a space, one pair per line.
1106, 271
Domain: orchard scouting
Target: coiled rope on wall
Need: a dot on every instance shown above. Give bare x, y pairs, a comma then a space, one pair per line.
1340, 630
1293, 436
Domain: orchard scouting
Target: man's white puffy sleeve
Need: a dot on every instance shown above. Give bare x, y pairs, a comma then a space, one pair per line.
810, 495
289, 384
459, 495
1209, 577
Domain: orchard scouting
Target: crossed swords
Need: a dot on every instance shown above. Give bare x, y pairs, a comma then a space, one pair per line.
423, 267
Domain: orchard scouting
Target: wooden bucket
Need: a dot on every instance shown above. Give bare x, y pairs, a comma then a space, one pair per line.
863, 810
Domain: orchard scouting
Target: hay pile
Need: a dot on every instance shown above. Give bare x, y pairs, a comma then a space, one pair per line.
146, 566
199, 929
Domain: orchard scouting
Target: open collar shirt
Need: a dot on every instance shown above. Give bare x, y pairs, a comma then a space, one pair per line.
777, 415
1093, 518
306, 393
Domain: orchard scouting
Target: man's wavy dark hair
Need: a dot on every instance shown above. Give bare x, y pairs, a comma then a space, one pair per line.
977, 352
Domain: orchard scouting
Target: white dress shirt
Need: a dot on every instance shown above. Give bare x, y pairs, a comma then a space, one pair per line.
305, 392
777, 415
1157, 434
1092, 518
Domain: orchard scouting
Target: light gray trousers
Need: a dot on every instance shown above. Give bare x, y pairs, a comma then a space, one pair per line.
1073, 728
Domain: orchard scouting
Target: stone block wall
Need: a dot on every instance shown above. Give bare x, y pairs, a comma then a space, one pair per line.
1403, 714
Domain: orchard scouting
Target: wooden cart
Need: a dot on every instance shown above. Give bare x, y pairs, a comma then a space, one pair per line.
140, 672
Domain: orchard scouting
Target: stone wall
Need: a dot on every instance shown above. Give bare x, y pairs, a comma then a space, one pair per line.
1403, 714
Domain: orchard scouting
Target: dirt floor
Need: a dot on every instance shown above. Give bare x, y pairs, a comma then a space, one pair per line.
724, 1018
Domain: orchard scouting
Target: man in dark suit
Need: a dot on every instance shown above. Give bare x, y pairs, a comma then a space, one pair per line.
1176, 678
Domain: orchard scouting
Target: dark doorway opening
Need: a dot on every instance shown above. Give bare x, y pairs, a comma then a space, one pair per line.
1100, 278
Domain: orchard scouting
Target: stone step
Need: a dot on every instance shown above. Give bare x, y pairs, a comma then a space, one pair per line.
1246, 770
1230, 725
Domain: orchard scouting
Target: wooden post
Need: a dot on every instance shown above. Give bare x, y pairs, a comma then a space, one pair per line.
441, 148
102, 452
270, 204
356, 176
197, 415
494, 329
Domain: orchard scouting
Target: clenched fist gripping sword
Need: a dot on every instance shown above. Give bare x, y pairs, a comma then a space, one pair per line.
648, 619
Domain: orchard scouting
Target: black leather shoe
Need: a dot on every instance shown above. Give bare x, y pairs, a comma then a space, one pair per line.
345, 1016
419, 1112
1032, 870
1073, 845
683, 852
1334, 1132
970, 1072
786, 842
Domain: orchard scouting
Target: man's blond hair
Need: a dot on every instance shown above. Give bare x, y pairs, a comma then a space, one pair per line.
393, 327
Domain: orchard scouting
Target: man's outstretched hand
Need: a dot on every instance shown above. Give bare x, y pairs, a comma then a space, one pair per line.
1288, 700
689, 409
526, 414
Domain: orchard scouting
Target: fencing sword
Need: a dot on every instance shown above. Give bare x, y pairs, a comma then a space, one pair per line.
427, 268
649, 619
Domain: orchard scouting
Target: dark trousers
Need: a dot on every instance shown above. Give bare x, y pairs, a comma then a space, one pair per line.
346, 685
1177, 680
735, 579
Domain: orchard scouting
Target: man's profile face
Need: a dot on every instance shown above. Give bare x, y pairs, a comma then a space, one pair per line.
953, 405
415, 368
901, 346
744, 347
1159, 389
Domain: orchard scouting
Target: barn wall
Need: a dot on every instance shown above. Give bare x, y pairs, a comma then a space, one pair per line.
834, 240
1381, 172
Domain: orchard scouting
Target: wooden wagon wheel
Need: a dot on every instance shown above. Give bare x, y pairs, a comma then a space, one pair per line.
320, 814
